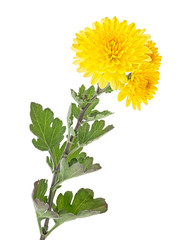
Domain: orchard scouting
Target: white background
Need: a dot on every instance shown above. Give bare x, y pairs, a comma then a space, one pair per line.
147, 174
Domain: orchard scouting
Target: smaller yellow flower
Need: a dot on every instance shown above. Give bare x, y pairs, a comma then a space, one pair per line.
156, 58
141, 86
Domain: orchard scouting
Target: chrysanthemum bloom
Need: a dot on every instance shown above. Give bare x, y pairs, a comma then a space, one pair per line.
155, 57
110, 50
141, 85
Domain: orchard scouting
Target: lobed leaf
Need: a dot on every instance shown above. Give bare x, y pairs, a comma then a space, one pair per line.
91, 107
42, 210
87, 135
39, 191
83, 205
75, 168
96, 115
84, 95
50, 163
39, 200
76, 110
49, 131
58, 152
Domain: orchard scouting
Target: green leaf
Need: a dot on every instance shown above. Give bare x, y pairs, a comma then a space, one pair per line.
76, 110
83, 205
64, 217
67, 172
91, 107
96, 115
87, 135
77, 98
70, 116
49, 131
42, 210
84, 95
75, 168
81, 90
50, 163
90, 92
86, 161
64, 201
74, 147
58, 152
39, 200
74, 154
40, 188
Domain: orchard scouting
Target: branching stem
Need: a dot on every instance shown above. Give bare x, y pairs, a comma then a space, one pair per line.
65, 154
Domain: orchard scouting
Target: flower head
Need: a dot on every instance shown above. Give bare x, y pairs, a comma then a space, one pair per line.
155, 57
141, 85
109, 50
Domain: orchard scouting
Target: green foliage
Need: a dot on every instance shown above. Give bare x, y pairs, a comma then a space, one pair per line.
50, 163
96, 115
76, 110
40, 188
42, 211
70, 116
75, 152
68, 156
83, 205
86, 161
87, 135
76, 167
39, 199
49, 131
91, 107
58, 152
84, 95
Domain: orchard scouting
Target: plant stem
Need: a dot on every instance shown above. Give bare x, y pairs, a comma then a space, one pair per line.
65, 154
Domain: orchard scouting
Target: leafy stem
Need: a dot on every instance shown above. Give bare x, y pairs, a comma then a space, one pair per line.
52, 191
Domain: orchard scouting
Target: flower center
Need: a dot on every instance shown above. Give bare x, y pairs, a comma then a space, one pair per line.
112, 47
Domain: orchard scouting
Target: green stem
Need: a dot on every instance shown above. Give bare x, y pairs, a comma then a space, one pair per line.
39, 224
53, 228
65, 154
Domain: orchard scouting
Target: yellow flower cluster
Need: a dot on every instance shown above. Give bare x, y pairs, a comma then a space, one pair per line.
118, 54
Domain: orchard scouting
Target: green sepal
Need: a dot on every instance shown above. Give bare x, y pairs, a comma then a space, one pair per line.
108, 89
128, 76
49, 131
83, 205
87, 135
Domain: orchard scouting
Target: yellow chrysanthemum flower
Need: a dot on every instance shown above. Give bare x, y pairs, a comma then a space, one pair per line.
155, 57
110, 50
141, 86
